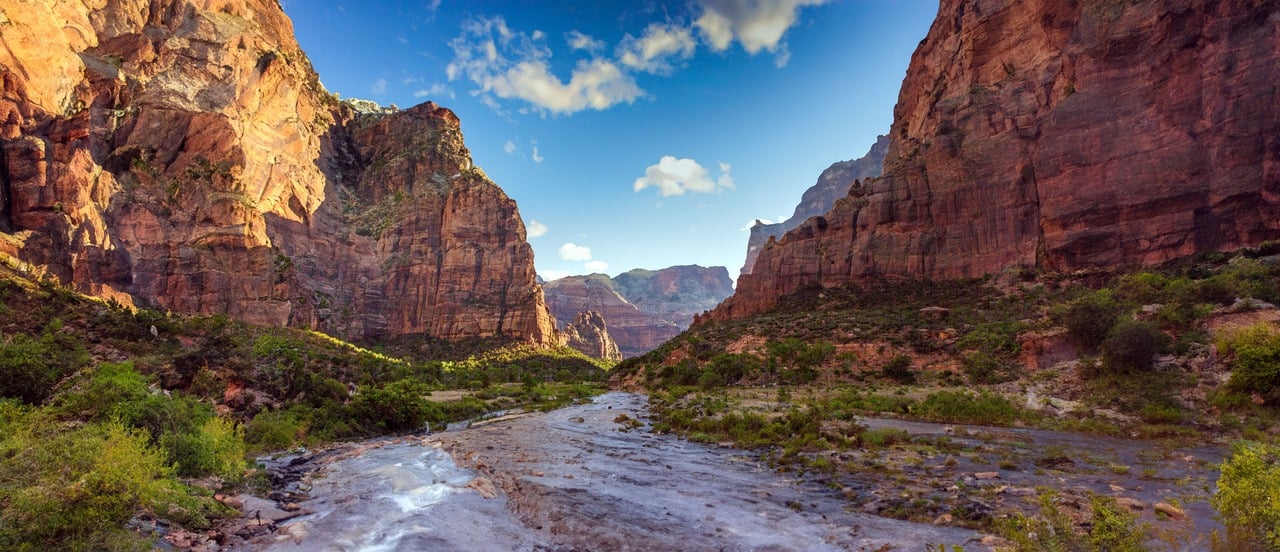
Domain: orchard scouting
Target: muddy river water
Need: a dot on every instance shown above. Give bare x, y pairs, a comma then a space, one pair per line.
577, 479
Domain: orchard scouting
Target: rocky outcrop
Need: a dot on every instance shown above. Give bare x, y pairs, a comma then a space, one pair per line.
589, 334
643, 308
833, 184
1058, 135
182, 154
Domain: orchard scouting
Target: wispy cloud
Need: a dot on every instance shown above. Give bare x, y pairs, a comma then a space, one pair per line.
435, 90
378, 87
596, 266
535, 157
580, 41
509, 147
672, 176
656, 48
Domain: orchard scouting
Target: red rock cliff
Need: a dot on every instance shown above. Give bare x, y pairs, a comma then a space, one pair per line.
181, 153
1064, 135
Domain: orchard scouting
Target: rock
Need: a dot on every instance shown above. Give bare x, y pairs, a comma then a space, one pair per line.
1132, 504
187, 157
987, 475
589, 334
943, 519
1170, 510
1062, 136
833, 184
484, 487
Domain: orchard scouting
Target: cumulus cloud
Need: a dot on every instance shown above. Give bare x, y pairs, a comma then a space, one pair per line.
672, 176
574, 252
655, 49
756, 24
535, 229
378, 87
596, 266
579, 41
512, 65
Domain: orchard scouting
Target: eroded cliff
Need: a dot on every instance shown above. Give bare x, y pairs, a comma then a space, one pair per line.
183, 154
1058, 135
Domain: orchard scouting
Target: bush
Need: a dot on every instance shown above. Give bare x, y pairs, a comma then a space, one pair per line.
217, 447
1089, 319
1246, 495
1132, 347
32, 366
1256, 368
397, 406
1110, 528
274, 430
899, 370
950, 406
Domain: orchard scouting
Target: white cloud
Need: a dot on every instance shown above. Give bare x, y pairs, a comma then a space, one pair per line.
509, 147
575, 252
653, 50
672, 176
596, 266
436, 89
512, 65
756, 24
536, 229
378, 87
535, 156
539, 35
754, 222
579, 41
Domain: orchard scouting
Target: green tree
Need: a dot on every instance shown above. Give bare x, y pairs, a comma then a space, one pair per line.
1248, 495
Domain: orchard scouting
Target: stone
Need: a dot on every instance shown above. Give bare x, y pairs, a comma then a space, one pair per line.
936, 314
1170, 510
589, 334
186, 157
986, 475
1060, 136
1132, 504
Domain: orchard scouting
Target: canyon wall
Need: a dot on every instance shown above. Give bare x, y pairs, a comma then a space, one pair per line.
832, 184
182, 154
1058, 135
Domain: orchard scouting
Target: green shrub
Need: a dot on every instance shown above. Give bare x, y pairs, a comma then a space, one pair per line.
32, 366
997, 339
396, 406
1247, 493
1256, 367
75, 489
1089, 319
217, 447
899, 369
274, 430
1132, 347
1110, 528
981, 367
951, 406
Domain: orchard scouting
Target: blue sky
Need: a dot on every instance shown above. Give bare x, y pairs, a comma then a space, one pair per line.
633, 135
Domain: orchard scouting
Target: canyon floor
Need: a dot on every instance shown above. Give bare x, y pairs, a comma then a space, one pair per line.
593, 476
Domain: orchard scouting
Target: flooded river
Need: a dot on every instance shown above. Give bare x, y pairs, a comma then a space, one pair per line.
577, 479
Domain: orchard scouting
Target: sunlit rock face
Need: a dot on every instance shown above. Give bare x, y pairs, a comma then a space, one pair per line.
642, 308
832, 184
589, 334
1061, 135
182, 154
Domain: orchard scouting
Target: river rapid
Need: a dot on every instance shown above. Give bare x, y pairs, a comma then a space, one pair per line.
577, 478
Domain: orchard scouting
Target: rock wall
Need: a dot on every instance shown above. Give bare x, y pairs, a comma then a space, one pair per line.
643, 308
1062, 135
589, 334
832, 184
182, 154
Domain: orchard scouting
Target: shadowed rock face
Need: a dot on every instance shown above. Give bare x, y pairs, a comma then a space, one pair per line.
643, 308
183, 154
1058, 135
833, 184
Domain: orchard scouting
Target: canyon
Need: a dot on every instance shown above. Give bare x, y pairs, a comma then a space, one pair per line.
184, 156
1060, 137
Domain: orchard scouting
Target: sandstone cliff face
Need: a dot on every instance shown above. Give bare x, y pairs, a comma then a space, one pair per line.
1063, 135
833, 184
589, 333
183, 154
676, 293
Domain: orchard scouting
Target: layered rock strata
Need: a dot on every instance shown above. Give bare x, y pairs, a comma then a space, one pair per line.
182, 154
1061, 135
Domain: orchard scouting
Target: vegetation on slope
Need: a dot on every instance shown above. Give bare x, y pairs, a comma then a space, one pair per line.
1186, 353
107, 412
